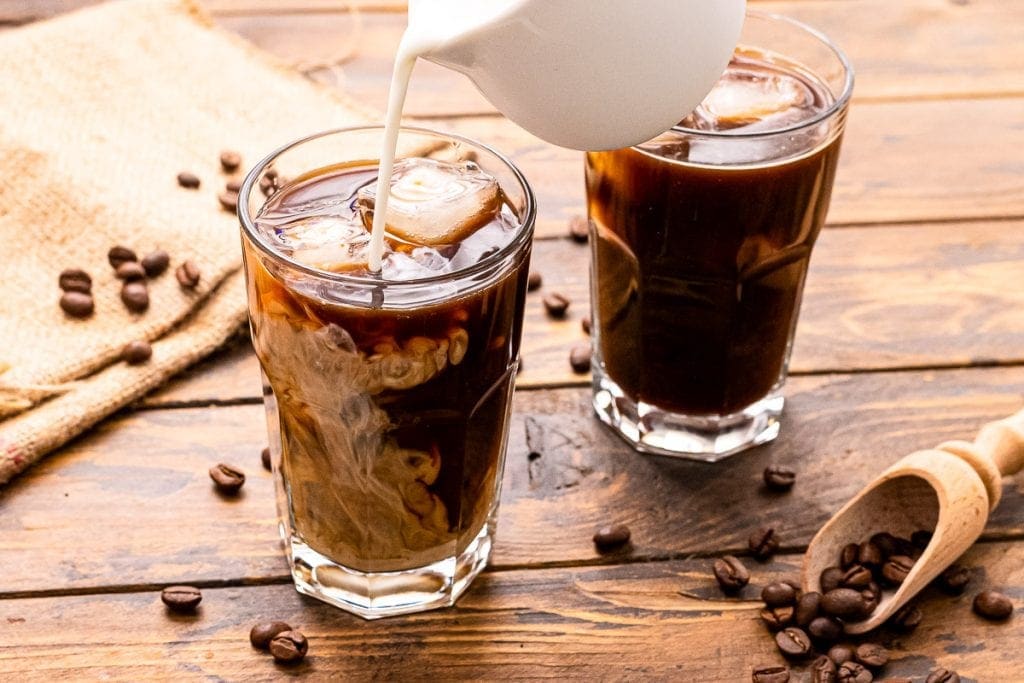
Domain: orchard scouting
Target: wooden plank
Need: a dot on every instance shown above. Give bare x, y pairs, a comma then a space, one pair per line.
659, 621
131, 504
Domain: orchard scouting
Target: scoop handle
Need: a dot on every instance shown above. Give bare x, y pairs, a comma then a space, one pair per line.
1003, 442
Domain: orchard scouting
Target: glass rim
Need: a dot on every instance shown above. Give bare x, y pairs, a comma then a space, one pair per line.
837, 106
526, 222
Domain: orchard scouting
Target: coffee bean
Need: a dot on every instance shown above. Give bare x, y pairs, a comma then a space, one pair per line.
921, 538
118, 255
871, 595
793, 642
130, 271
763, 543
265, 631
856, 576
885, 542
579, 229
831, 578
869, 554
907, 618
840, 654
75, 280
135, 296
844, 603
807, 608
942, 676
896, 569
77, 304
226, 478
188, 180
156, 262
823, 670
611, 537
795, 585
137, 352
778, 594
533, 281
955, 579
992, 605
228, 200
777, 618
848, 555
731, 574
556, 305
234, 186
267, 185
182, 599
288, 647
230, 160
825, 629
872, 655
265, 459
779, 478
585, 324
770, 674
187, 274
579, 358
852, 672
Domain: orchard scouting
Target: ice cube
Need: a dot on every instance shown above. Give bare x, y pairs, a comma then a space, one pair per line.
434, 202
333, 243
749, 96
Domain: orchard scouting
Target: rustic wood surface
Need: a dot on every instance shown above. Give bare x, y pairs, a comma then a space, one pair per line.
912, 332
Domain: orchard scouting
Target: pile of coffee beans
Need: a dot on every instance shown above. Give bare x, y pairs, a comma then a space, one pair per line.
287, 645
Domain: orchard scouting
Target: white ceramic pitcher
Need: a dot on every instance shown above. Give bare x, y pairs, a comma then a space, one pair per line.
583, 74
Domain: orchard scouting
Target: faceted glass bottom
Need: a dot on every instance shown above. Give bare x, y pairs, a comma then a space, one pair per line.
708, 438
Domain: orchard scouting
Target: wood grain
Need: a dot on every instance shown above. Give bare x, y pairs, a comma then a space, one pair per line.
661, 621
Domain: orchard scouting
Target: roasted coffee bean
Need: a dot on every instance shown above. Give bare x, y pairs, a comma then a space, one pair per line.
770, 674
852, 672
907, 618
579, 358
848, 555
869, 555
234, 186
137, 352
226, 478
777, 594
825, 629
289, 647
611, 537
75, 280
779, 478
118, 255
942, 676
830, 578
228, 200
130, 271
183, 599
156, 262
871, 595
267, 185
896, 569
731, 574
921, 538
885, 542
823, 670
230, 160
955, 579
763, 543
534, 281
795, 585
840, 654
135, 296
872, 655
856, 576
585, 324
188, 180
807, 608
77, 304
187, 274
265, 459
844, 603
579, 229
793, 642
777, 618
992, 605
556, 305
265, 631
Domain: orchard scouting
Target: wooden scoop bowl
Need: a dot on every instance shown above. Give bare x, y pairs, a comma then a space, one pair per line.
949, 490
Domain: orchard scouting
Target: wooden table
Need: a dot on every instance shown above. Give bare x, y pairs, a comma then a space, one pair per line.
912, 333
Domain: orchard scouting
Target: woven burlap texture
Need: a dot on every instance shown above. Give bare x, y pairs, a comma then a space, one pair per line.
101, 110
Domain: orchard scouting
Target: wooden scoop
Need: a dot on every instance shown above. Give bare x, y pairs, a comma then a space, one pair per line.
949, 490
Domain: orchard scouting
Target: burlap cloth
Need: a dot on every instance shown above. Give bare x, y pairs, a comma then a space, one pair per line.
99, 111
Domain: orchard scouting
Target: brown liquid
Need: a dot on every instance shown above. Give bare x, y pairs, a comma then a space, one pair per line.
702, 252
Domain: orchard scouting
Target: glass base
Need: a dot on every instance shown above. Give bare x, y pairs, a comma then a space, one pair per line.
708, 438
372, 595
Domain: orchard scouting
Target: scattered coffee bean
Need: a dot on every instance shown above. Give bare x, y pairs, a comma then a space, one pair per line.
992, 605
942, 676
852, 672
156, 263
907, 618
556, 305
823, 670
118, 255
77, 304
731, 574
265, 459
825, 629
793, 642
265, 631
807, 607
182, 599
533, 281
869, 554
763, 543
230, 160
579, 229
857, 576
955, 579
579, 358
226, 478
75, 280
268, 186
611, 537
130, 271
187, 274
872, 655
228, 200
288, 647
135, 296
777, 618
848, 556
831, 578
770, 674
840, 654
137, 352
777, 594
188, 180
234, 186
844, 603
896, 569
585, 324
779, 478
921, 538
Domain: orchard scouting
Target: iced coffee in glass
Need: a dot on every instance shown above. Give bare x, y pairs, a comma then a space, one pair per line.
387, 393
701, 243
